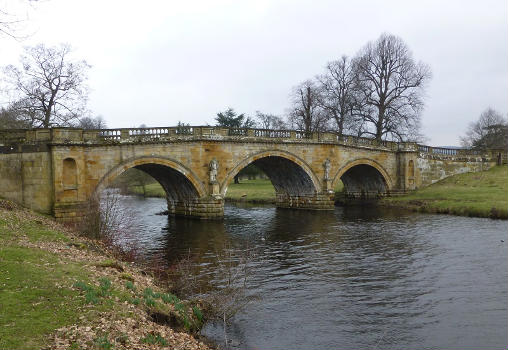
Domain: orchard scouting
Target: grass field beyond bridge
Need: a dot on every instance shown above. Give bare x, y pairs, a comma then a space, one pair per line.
483, 194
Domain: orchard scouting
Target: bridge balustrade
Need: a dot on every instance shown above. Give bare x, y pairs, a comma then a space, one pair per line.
303, 135
23, 136
110, 135
237, 132
447, 151
274, 134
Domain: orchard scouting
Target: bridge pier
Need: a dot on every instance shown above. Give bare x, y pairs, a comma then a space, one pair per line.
317, 201
199, 208
70, 212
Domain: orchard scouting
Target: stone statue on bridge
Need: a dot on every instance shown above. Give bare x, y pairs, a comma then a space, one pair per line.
214, 168
326, 166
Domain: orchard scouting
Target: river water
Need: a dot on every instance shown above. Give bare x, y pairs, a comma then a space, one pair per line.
349, 278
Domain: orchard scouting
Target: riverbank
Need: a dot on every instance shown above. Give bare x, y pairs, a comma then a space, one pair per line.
483, 194
256, 191
251, 191
61, 291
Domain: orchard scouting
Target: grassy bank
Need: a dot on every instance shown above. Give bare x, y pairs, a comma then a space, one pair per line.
253, 191
61, 291
250, 191
256, 191
150, 190
483, 194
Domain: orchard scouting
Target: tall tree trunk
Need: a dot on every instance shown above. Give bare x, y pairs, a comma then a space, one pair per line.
379, 125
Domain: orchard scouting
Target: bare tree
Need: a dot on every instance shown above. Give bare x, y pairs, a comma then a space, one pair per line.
339, 95
306, 113
92, 123
48, 89
391, 85
270, 121
10, 119
489, 131
13, 19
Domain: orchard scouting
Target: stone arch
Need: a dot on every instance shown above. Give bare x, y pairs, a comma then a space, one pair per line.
69, 174
288, 173
364, 176
169, 173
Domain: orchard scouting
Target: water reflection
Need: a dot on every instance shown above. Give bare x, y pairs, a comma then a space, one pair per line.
360, 277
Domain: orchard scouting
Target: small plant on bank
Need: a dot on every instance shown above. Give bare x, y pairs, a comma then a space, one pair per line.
92, 294
105, 287
150, 302
170, 298
198, 313
149, 293
102, 343
111, 263
126, 276
129, 285
122, 339
156, 338
91, 297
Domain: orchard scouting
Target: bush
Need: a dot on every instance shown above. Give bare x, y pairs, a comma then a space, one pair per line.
104, 218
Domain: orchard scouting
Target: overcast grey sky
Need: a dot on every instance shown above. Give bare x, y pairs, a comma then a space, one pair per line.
160, 62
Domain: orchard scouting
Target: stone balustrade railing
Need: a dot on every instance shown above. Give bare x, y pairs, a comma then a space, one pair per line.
139, 135
447, 151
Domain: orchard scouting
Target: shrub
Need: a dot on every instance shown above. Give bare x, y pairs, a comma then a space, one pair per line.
104, 218
156, 338
102, 343
129, 285
150, 302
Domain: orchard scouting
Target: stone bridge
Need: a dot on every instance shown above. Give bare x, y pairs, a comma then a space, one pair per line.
56, 171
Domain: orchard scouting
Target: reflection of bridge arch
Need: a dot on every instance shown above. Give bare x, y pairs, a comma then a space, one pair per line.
179, 182
289, 174
364, 176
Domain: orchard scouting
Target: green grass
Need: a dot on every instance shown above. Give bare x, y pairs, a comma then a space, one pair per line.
151, 190
483, 194
39, 290
259, 190
42, 290
154, 339
35, 295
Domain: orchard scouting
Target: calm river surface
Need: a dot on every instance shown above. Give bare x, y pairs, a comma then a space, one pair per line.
350, 278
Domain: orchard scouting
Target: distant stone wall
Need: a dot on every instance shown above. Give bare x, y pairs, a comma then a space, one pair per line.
433, 167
